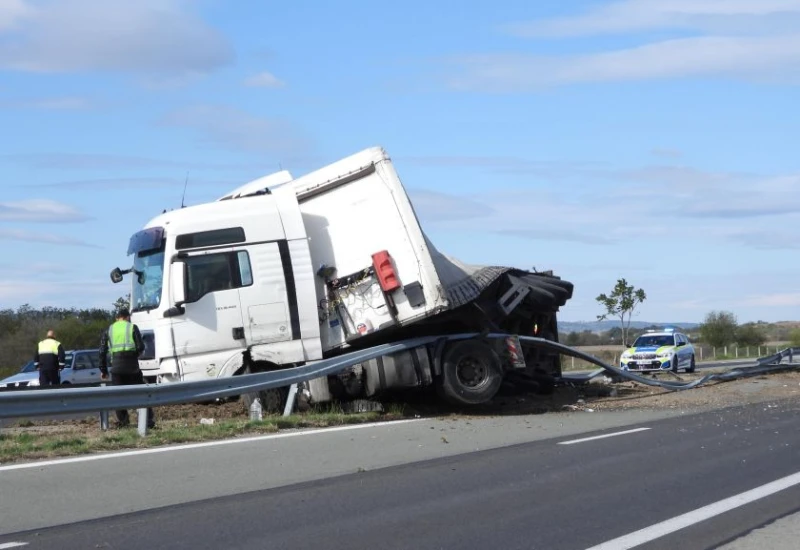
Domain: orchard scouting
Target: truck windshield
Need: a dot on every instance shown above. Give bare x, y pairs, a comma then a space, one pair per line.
148, 277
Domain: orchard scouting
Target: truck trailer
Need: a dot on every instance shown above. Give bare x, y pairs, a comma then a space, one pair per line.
285, 271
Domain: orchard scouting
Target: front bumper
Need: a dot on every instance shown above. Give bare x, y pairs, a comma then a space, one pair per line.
648, 365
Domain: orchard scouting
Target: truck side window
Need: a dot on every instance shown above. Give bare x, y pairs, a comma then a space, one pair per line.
216, 272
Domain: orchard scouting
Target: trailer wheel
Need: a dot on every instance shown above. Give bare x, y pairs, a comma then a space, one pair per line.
471, 373
272, 401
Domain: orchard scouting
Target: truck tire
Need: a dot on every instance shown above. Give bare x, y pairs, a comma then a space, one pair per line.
272, 401
471, 373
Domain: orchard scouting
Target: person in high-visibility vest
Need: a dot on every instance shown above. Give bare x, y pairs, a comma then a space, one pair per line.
49, 360
123, 343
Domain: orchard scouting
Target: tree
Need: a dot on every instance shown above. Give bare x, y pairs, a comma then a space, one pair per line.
750, 335
794, 338
573, 339
122, 302
620, 304
719, 328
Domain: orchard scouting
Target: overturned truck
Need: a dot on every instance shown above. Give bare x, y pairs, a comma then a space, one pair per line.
282, 272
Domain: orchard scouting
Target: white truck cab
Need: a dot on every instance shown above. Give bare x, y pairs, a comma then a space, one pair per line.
283, 271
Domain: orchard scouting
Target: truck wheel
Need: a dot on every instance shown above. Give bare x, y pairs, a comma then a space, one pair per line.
272, 401
471, 373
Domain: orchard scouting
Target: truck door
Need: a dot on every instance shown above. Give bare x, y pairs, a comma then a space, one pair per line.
213, 321
266, 301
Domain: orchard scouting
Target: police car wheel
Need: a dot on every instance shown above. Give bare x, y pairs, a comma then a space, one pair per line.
691, 366
675, 363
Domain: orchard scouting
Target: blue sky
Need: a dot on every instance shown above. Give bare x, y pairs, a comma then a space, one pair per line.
648, 139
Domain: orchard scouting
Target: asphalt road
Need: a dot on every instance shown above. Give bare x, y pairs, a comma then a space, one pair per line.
519, 487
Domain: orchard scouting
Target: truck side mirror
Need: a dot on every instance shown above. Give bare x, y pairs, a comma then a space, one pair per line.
116, 275
178, 283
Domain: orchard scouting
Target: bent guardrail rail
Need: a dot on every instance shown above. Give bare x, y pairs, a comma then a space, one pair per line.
764, 365
86, 400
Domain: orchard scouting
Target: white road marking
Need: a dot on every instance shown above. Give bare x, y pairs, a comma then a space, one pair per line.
696, 516
12, 545
602, 436
188, 446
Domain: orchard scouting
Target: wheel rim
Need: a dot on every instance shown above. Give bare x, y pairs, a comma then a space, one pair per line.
472, 373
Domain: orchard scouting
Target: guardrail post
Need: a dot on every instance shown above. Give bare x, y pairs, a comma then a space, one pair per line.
573, 362
142, 421
725, 351
103, 416
290, 399
737, 352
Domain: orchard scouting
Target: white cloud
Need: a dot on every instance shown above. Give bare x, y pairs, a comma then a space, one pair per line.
559, 234
40, 210
767, 239
100, 161
147, 37
51, 103
773, 300
666, 152
232, 128
430, 205
264, 80
45, 238
113, 184
753, 40
757, 58
58, 293
638, 15
623, 206
13, 12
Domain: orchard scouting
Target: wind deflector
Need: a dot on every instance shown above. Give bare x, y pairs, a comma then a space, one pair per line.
545, 291
146, 239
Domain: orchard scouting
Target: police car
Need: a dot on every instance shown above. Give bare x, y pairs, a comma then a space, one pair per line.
659, 350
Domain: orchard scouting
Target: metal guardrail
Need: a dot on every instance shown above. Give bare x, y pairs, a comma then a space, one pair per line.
789, 353
765, 365
85, 400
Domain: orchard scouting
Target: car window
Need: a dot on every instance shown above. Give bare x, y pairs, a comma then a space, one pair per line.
82, 362
654, 340
95, 357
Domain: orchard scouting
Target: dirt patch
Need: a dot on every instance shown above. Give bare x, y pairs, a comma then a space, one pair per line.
600, 396
714, 395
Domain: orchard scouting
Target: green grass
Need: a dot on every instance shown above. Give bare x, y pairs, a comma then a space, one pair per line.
80, 440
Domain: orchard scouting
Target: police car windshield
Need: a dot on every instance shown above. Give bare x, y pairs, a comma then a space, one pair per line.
654, 340
148, 277
30, 366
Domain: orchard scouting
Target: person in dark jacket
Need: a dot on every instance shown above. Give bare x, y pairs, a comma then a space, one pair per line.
50, 360
123, 343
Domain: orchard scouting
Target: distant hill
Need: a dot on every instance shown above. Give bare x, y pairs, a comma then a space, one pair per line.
602, 326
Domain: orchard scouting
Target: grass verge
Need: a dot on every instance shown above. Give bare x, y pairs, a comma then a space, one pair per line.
85, 438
